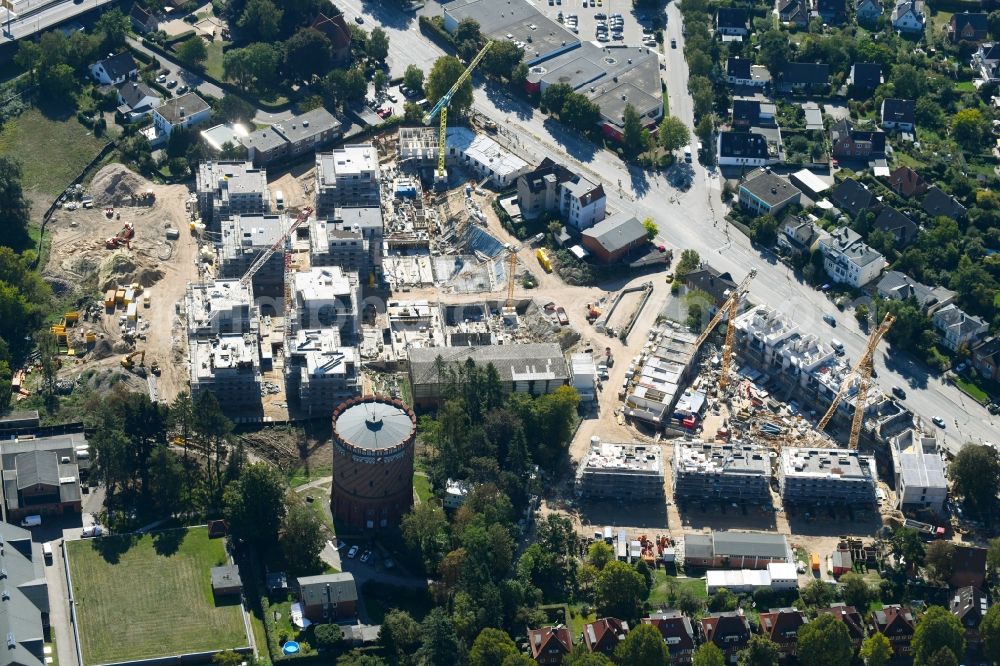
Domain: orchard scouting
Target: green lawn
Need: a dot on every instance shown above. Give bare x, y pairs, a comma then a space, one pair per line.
52, 152
422, 486
659, 592
973, 391
213, 64
150, 596
965, 86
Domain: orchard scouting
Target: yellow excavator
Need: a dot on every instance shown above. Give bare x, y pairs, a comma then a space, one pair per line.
128, 361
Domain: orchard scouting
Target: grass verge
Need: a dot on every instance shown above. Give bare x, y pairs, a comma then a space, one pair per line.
660, 591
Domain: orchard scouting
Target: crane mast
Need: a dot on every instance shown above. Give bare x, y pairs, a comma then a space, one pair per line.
863, 372
441, 109
730, 307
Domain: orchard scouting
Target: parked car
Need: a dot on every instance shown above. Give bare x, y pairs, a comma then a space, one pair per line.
359, 20
938, 421
365, 556
31, 521
352, 553
92, 531
162, 78
172, 84
830, 320
47, 552
899, 392
673, 43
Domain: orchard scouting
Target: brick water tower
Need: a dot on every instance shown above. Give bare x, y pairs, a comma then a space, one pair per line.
373, 441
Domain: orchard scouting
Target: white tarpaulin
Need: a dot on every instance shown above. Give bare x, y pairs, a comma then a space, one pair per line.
297, 618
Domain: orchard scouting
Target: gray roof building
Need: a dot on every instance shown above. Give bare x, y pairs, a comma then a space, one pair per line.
43, 475
320, 590
936, 203
616, 233
899, 286
728, 472
828, 477
764, 192
177, 109
26, 598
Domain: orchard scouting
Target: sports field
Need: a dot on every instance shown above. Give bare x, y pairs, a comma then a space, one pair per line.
150, 596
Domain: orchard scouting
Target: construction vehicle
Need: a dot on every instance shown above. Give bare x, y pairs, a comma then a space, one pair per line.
862, 372
543, 259
441, 109
262, 259
128, 361
729, 309
154, 367
123, 237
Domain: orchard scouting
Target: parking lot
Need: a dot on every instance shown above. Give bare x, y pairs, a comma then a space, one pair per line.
586, 28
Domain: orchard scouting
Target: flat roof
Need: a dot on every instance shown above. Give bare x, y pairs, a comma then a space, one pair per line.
516, 21
543, 360
638, 458
814, 183
842, 464
736, 459
484, 150
350, 160
219, 135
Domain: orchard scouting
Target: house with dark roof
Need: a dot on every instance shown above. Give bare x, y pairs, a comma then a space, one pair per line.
735, 550
798, 235
833, 12
40, 477
137, 100
185, 111
898, 114
554, 188
732, 21
900, 226
794, 12
959, 329
143, 20
986, 358
968, 567
25, 610
804, 77
848, 260
677, 632
746, 149
114, 69
851, 197
782, 626
711, 281
897, 286
897, 624
738, 71
604, 635
937, 203
969, 604
851, 143
614, 237
730, 631
908, 17
337, 31
851, 618
226, 581
986, 59
906, 182
753, 113
763, 193
968, 27
549, 645
868, 11
864, 78
328, 597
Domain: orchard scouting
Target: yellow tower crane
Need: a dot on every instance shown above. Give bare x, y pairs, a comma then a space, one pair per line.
441, 108
863, 373
729, 308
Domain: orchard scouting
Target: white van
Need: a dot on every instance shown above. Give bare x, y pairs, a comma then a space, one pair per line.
47, 552
31, 521
838, 346
279, 199
687, 154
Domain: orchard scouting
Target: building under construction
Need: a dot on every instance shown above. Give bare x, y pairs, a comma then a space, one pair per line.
347, 176
351, 239
737, 472
320, 373
624, 472
659, 381
325, 297
242, 239
826, 477
230, 188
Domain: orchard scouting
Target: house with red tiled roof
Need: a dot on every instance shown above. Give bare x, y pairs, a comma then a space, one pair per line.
677, 632
729, 631
850, 616
605, 634
549, 645
782, 626
906, 182
968, 567
336, 30
896, 623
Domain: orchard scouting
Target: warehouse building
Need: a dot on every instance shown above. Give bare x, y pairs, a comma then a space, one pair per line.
736, 550
230, 188
535, 369
737, 472
919, 472
624, 472
777, 576
827, 477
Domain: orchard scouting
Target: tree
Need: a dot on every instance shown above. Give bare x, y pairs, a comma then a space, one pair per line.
327, 636
993, 556
254, 66
491, 647
307, 54
442, 77
855, 590
227, 658
695, 316
260, 21
651, 229
764, 229
908, 81
689, 261
774, 51
302, 539
760, 651
400, 635
115, 27
705, 129
581, 656
824, 642
554, 97
14, 208
342, 86
502, 58
358, 658
634, 137
579, 112
440, 645
425, 529
817, 593
976, 475
968, 128
619, 591
599, 554
906, 543
192, 52
413, 78
989, 630
943, 657
643, 646
939, 560
380, 81
673, 134
708, 654
876, 650
378, 45
58, 81
937, 629
687, 602
254, 504
722, 600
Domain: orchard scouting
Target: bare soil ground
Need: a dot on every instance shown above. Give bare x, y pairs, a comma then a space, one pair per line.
297, 186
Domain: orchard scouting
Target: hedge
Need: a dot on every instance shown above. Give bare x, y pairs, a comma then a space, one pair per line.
435, 30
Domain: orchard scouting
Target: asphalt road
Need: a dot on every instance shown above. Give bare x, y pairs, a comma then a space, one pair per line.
54, 14
407, 45
695, 219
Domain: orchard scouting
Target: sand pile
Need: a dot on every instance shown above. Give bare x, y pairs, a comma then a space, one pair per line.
115, 184
120, 267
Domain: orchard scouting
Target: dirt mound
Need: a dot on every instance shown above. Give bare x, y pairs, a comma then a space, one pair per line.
121, 267
115, 184
102, 350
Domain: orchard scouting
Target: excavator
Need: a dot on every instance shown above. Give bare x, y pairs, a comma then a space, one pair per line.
129, 364
123, 237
